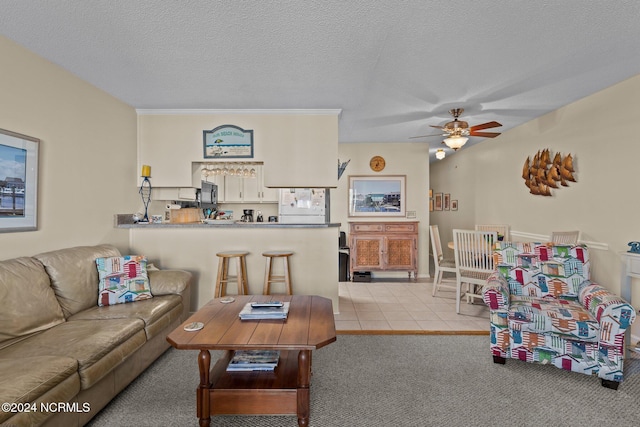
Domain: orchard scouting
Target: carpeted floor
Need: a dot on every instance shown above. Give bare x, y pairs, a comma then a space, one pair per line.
398, 380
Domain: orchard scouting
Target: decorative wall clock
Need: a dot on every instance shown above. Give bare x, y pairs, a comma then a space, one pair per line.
377, 163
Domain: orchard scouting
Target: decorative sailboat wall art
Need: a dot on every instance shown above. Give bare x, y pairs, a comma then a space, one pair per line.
541, 174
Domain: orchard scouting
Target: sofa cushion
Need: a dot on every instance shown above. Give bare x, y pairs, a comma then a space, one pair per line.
97, 345
27, 301
155, 312
122, 279
552, 316
74, 276
25, 379
167, 282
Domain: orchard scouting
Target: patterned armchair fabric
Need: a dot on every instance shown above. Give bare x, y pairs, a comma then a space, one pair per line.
544, 309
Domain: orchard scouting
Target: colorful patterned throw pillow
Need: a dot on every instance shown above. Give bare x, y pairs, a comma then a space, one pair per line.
122, 279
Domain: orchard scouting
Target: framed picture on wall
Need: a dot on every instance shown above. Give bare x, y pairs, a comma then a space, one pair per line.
454, 205
377, 195
227, 142
438, 202
446, 201
430, 205
431, 193
18, 182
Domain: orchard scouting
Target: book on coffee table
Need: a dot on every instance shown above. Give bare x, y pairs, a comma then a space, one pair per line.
249, 312
254, 360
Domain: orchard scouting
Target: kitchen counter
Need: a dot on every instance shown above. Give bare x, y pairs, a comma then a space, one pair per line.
193, 247
126, 221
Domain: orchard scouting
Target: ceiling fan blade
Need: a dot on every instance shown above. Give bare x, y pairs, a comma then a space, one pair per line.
485, 134
437, 127
425, 136
485, 126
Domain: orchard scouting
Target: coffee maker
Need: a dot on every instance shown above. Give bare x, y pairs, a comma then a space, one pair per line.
247, 215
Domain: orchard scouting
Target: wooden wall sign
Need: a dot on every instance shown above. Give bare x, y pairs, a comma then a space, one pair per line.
228, 141
541, 174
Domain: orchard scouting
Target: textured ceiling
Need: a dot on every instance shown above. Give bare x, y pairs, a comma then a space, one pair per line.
393, 67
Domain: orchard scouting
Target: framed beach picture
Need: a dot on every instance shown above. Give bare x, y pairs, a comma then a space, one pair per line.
438, 202
18, 182
227, 142
377, 195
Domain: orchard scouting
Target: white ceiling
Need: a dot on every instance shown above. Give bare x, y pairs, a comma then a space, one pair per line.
393, 67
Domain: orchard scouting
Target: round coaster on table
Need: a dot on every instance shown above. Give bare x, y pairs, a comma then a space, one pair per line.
227, 300
195, 326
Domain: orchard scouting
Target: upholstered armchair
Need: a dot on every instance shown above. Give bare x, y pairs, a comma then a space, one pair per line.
544, 309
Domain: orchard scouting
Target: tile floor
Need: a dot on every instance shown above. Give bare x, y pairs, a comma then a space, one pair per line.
403, 305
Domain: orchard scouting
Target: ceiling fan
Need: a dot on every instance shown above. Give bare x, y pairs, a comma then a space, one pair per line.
458, 131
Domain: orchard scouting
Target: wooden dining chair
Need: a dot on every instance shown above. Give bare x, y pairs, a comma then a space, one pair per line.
441, 263
501, 229
565, 237
473, 252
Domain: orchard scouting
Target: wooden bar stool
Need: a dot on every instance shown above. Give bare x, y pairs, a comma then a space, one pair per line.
270, 278
223, 272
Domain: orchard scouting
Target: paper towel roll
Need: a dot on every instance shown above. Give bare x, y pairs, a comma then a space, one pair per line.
172, 206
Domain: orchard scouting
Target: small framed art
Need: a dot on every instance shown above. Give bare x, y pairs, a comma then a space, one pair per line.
454, 205
437, 202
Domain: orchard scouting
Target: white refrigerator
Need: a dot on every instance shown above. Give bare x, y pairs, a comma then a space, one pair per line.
303, 206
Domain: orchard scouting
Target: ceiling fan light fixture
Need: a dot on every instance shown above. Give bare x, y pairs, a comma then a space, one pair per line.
455, 142
440, 154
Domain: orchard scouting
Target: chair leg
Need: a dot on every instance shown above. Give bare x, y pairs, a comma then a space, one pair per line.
436, 281
458, 294
267, 275
287, 276
245, 279
239, 276
613, 385
219, 278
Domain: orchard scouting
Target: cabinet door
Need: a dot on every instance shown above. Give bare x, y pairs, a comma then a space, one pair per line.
232, 188
366, 252
266, 194
251, 189
400, 253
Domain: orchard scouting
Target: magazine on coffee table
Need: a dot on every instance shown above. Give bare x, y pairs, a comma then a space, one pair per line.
254, 360
278, 311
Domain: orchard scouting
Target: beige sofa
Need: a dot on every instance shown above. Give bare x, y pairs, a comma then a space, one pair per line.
63, 357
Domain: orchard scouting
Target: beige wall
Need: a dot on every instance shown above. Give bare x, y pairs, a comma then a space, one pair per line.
298, 147
600, 132
87, 153
410, 159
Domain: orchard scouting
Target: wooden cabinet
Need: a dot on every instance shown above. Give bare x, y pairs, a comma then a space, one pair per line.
242, 189
383, 246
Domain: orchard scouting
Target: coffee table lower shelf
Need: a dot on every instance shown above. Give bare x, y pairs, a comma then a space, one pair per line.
256, 392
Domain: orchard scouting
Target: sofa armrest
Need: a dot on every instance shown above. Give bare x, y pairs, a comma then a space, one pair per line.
495, 293
608, 308
166, 282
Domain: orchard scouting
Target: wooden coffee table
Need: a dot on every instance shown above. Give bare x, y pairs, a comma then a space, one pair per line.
309, 326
